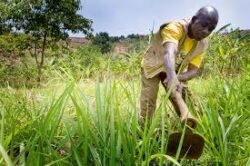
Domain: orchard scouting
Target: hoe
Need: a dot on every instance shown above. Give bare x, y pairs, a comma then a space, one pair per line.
188, 144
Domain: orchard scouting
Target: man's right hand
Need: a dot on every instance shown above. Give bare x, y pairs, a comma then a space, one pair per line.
173, 84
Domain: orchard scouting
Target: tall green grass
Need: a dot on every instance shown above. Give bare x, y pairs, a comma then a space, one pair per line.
97, 124
74, 120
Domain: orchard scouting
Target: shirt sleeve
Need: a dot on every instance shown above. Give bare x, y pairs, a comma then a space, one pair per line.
197, 60
172, 33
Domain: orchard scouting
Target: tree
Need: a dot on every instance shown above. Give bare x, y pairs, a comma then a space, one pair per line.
47, 20
103, 41
3, 16
134, 36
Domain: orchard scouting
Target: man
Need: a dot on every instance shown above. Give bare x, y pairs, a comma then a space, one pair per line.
174, 56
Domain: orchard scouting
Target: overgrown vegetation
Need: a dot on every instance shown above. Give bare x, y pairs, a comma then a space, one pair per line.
229, 53
45, 21
86, 111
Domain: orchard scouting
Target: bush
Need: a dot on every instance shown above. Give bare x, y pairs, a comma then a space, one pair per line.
228, 54
14, 44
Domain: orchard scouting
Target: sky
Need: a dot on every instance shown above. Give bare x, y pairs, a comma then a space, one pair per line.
123, 17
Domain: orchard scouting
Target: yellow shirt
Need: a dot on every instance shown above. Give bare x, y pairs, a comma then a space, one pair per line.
173, 33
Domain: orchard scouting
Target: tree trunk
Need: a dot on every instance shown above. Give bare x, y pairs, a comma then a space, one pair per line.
40, 65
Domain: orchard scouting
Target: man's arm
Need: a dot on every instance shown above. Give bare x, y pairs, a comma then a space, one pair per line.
174, 84
189, 74
170, 50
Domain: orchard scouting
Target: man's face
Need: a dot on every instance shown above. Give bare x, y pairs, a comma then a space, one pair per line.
202, 27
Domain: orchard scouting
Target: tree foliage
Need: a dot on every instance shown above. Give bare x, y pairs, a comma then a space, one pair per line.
103, 41
48, 16
4, 12
46, 20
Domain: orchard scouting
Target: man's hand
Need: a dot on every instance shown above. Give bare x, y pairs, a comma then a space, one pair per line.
189, 74
174, 84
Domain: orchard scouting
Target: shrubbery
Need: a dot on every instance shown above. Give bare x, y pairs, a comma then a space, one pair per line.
228, 54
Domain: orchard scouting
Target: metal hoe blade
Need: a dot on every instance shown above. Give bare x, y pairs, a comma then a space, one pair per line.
192, 145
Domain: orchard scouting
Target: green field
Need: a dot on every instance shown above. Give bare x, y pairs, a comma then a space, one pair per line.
85, 111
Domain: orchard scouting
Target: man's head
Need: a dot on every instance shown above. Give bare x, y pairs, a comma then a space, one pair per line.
203, 23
